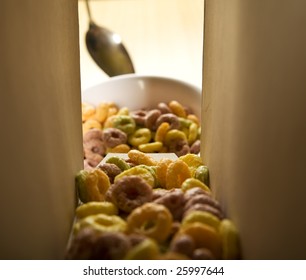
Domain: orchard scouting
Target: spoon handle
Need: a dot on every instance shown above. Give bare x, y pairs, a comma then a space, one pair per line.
88, 11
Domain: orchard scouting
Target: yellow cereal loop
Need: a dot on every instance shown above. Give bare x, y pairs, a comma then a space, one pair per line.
192, 160
204, 236
161, 171
139, 137
230, 240
174, 135
177, 173
139, 157
96, 207
92, 185
103, 223
161, 132
91, 123
177, 109
121, 148
101, 112
152, 147
145, 250
88, 111
192, 133
201, 217
138, 171
190, 183
152, 220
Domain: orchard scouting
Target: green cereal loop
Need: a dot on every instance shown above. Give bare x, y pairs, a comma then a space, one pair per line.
184, 123
152, 170
124, 123
121, 163
202, 174
174, 135
139, 137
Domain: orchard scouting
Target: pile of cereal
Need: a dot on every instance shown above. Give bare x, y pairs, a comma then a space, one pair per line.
168, 128
141, 208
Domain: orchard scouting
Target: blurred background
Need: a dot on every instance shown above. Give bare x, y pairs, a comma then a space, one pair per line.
163, 37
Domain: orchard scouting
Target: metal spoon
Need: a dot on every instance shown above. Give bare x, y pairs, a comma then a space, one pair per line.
107, 50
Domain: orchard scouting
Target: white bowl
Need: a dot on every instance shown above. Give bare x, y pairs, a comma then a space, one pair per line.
140, 91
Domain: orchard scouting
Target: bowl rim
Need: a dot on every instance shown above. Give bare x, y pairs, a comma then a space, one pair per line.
135, 76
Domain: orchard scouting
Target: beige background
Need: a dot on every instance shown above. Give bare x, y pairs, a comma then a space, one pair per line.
41, 138
254, 120
163, 37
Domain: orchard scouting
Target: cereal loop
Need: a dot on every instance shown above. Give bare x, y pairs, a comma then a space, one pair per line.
92, 185
140, 136
124, 123
153, 147
201, 217
204, 236
192, 133
190, 183
139, 157
101, 112
169, 118
230, 240
152, 220
113, 137
145, 250
161, 132
88, 111
177, 173
161, 171
121, 163
90, 124
96, 207
139, 171
122, 148
103, 223
177, 109
151, 119
173, 136
130, 192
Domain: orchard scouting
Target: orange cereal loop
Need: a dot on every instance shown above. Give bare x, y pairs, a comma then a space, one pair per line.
177, 109
161, 132
161, 171
152, 220
88, 111
193, 118
139, 157
101, 112
177, 173
204, 236
122, 148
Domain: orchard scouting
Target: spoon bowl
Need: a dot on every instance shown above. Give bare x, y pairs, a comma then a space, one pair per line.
107, 50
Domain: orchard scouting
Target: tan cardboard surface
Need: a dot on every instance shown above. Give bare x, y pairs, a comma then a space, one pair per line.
254, 128
41, 138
